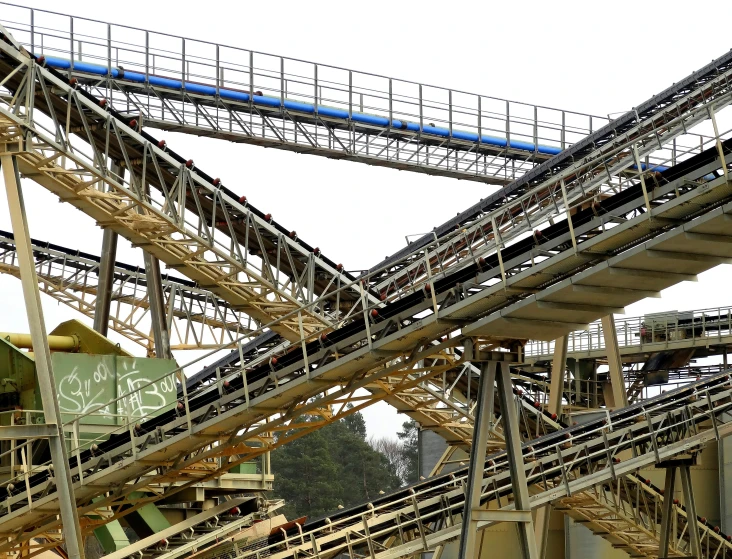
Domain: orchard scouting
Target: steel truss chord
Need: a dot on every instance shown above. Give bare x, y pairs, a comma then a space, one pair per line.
199, 319
188, 221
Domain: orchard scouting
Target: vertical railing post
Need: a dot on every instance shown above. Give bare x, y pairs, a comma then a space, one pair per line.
33, 30
147, 57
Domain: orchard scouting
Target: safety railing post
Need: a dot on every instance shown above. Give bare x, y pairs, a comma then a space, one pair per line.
32, 31
71, 46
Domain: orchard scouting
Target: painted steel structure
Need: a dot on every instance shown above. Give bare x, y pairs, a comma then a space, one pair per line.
209, 89
196, 318
647, 334
494, 278
709, 214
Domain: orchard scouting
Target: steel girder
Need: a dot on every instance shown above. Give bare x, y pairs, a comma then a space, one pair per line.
393, 349
197, 318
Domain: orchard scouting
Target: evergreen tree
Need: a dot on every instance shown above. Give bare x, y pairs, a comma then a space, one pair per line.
306, 476
332, 466
409, 436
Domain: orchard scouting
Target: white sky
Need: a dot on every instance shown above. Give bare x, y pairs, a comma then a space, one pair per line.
590, 57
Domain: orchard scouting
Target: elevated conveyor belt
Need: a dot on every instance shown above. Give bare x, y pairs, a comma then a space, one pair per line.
355, 356
391, 342
189, 220
580, 469
198, 319
218, 91
534, 208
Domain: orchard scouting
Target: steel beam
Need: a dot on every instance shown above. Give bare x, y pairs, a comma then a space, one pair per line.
32, 431
44, 369
161, 334
106, 273
559, 364
668, 507
614, 361
694, 540
483, 420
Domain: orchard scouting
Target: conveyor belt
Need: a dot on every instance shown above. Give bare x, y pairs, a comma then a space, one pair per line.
426, 514
198, 318
566, 158
381, 344
170, 429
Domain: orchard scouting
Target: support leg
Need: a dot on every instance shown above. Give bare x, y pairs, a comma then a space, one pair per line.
556, 389
516, 460
685, 475
614, 361
44, 370
157, 307
483, 418
106, 271
104, 290
668, 500
559, 364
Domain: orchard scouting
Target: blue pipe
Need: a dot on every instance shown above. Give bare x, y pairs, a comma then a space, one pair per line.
298, 106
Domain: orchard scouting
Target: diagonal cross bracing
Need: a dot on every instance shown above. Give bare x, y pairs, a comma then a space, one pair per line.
198, 318
348, 360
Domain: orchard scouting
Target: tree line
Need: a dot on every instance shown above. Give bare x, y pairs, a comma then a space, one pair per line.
337, 466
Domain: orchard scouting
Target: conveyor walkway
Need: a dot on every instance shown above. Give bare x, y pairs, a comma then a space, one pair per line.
588, 471
509, 293
214, 90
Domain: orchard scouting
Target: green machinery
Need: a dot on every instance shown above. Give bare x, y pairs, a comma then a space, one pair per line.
100, 386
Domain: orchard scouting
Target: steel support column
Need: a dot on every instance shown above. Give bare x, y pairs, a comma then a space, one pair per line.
556, 389
496, 373
104, 289
668, 507
106, 273
614, 362
483, 419
695, 542
509, 421
157, 307
44, 369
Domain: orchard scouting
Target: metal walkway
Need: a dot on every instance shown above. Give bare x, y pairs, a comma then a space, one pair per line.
653, 333
589, 471
390, 343
208, 89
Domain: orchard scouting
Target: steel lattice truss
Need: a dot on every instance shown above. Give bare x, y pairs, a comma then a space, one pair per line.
196, 318
472, 283
578, 469
350, 364
245, 96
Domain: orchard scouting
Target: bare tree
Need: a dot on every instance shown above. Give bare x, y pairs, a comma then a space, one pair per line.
393, 450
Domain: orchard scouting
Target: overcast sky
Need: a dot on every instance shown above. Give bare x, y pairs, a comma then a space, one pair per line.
591, 57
